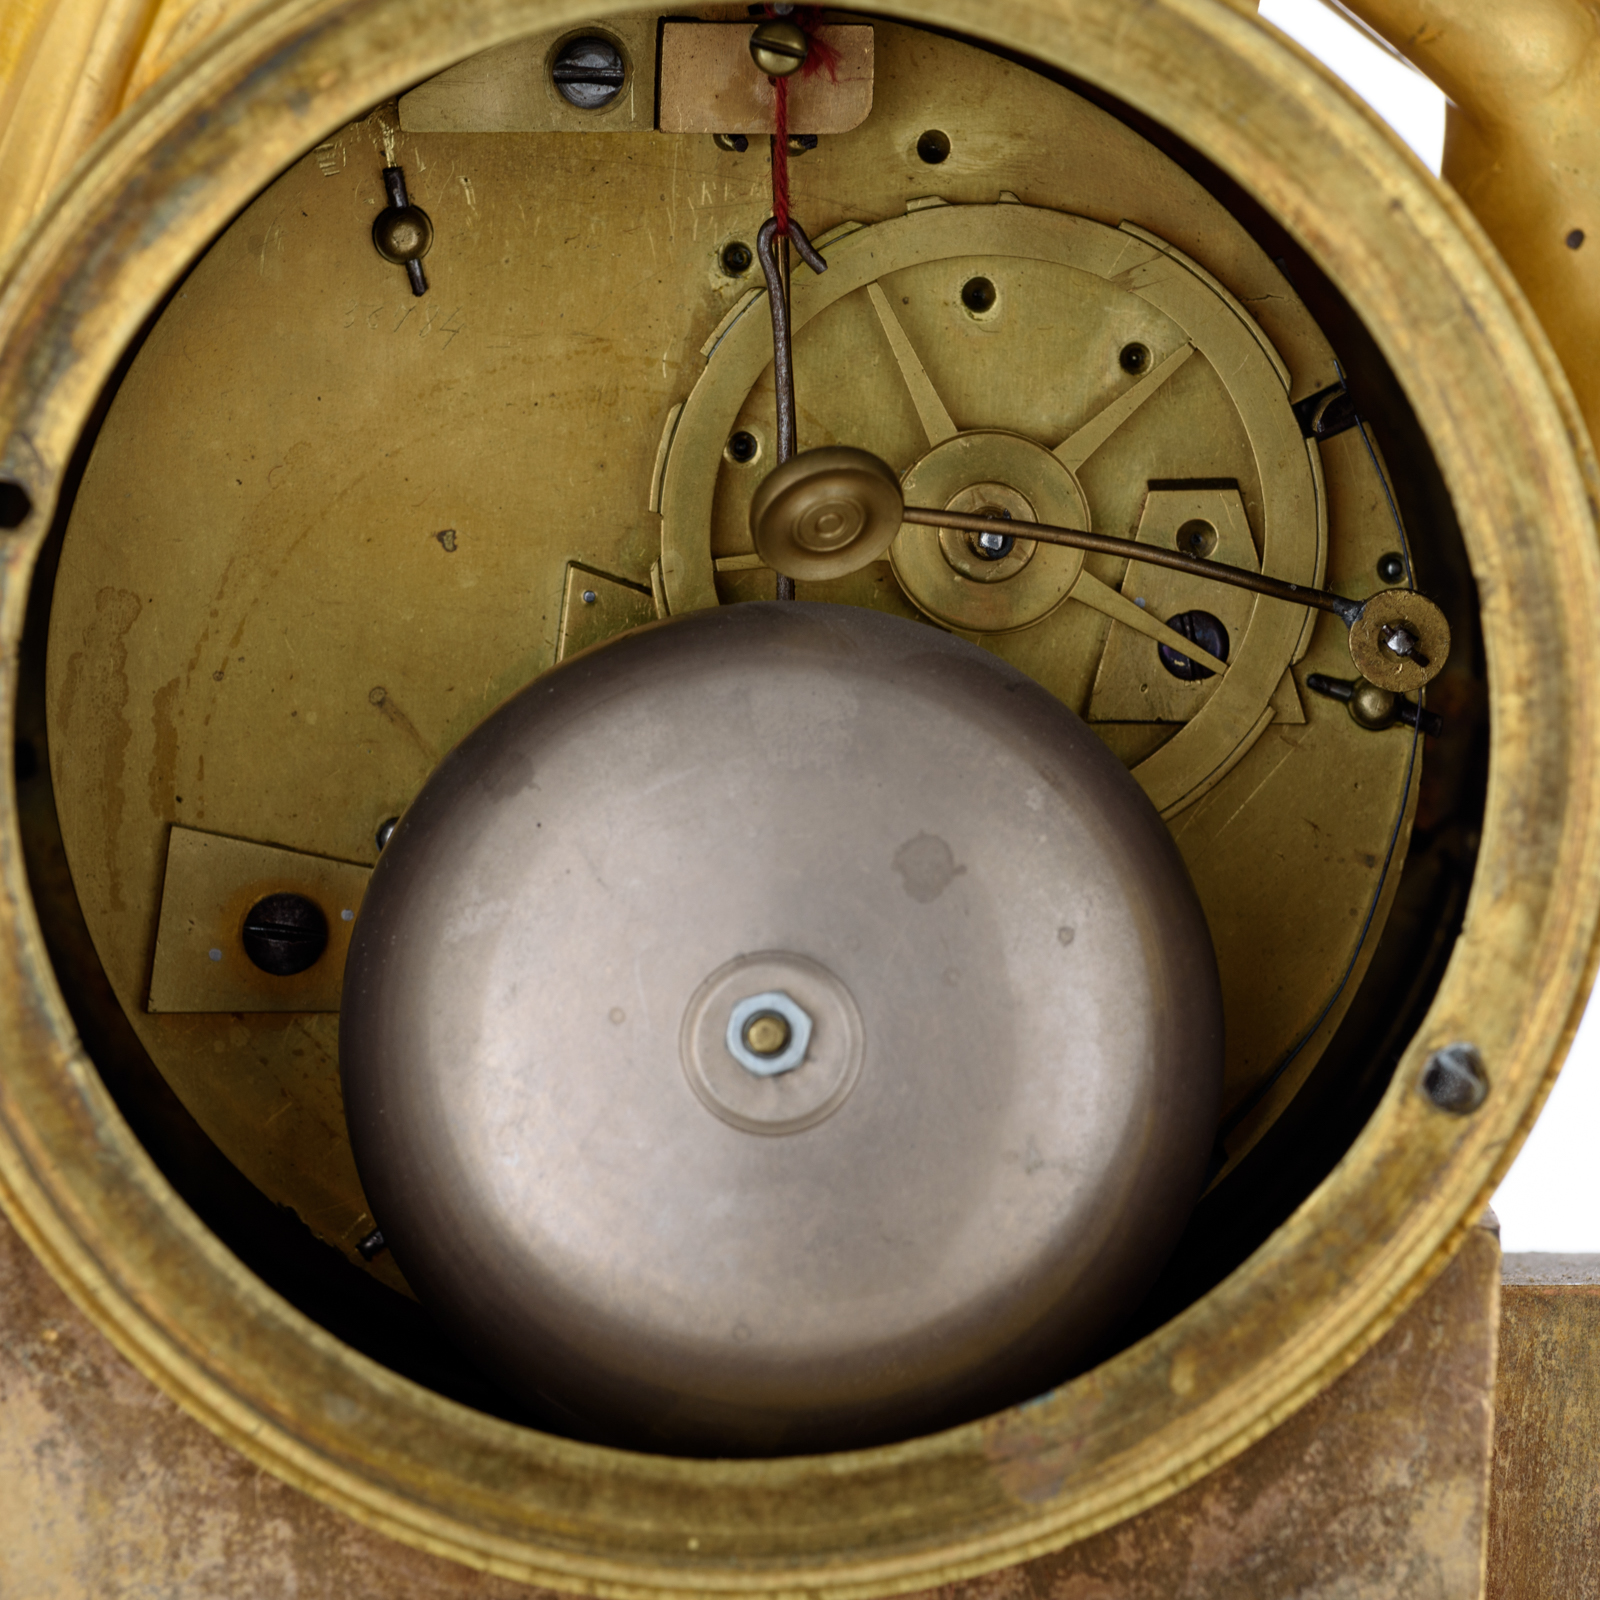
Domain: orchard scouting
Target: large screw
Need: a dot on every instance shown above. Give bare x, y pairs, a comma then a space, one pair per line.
1454, 1079
588, 73
779, 48
1201, 628
284, 934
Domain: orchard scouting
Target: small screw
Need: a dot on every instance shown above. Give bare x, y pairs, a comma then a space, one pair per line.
1134, 358
373, 1245
588, 73
1392, 567
779, 48
589, 597
743, 447
386, 831
933, 147
1575, 239
735, 142
978, 295
1454, 1079
15, 505
736, 259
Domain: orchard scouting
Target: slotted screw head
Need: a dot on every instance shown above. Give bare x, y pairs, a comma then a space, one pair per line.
779, 48
588, 73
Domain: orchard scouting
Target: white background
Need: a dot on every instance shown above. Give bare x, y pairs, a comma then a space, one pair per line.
1550, 1199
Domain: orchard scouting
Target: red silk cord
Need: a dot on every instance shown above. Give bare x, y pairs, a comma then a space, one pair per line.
820, 54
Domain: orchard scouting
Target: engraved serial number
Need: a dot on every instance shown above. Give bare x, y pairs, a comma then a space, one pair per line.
423, 320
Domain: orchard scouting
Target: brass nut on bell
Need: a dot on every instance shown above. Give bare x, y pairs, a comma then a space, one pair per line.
766, 1033
779, 47
402, 234
1373, 708
826, 513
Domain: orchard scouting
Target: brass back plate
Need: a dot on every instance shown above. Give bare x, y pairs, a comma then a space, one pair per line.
392, 518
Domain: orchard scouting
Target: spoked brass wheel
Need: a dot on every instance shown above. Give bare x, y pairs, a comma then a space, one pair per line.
1183, 375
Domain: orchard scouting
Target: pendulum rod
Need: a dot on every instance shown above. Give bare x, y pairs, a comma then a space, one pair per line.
830, 511
782, 348
775, 271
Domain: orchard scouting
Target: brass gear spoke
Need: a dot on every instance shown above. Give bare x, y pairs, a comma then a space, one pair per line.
1074, 450
936, 421
1109, 602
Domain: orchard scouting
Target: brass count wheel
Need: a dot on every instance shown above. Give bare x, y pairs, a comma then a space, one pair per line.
1110, 383
393, 562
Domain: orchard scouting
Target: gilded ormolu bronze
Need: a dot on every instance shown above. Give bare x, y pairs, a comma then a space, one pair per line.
1222, 1371
1522, 147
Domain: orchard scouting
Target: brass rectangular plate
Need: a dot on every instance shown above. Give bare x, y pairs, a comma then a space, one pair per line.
709, 84
211, 884
509, 89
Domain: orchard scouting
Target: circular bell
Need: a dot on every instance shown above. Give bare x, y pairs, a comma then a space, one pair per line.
783, 1029
826, 513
